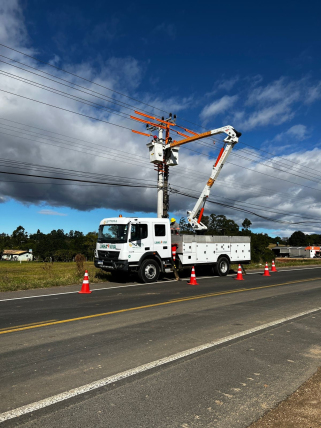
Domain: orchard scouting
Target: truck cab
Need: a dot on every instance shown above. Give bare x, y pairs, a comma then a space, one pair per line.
141, 245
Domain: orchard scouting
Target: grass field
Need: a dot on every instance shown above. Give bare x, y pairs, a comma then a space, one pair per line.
15, 276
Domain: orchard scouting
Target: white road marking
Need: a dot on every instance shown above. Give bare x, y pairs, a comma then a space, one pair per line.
139, 285
11, 414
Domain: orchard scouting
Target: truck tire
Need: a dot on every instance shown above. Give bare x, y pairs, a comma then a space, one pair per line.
149, 271
222, 266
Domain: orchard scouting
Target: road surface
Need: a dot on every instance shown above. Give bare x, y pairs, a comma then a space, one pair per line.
167, 354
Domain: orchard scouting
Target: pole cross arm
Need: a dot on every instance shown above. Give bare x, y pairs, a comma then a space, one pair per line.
232, 136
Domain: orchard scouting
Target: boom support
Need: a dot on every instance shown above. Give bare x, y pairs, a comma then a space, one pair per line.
230, 141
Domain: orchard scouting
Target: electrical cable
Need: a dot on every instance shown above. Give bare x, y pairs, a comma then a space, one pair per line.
82, 78
118, 92
241, 209
174, 173
81, 181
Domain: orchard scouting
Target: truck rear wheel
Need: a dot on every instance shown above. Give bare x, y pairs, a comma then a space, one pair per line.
222, 266
149, 271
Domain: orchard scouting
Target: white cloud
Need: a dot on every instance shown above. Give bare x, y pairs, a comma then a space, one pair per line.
276, 103
226, 84
12, 28
297, 132
313, 93
275, 115
119, 152
51, 212
281, 89
166, 28
218, 106
223, 85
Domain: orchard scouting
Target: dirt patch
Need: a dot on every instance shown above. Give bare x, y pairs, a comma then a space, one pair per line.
301, 410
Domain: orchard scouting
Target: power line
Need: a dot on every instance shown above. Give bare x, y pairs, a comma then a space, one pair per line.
90, 81
100, 154
116, 184
241, 209
75, 85
69, 111
65, 94
260, 207
82, 78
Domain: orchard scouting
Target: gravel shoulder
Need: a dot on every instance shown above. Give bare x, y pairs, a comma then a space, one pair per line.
301, 409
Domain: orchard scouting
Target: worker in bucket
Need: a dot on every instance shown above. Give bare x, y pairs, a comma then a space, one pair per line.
174, 227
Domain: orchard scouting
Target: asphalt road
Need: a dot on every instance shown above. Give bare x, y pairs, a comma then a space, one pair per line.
52, 344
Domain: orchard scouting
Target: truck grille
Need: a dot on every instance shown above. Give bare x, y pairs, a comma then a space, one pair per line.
108, 255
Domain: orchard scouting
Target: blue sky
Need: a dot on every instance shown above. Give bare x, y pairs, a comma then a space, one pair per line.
253, 65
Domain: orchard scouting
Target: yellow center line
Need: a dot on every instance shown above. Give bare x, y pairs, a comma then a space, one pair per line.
183, 299
26, 325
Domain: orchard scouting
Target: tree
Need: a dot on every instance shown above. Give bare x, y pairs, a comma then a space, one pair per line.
185, 227
246, 224
220, 225
19, 237
259, 248
298, 239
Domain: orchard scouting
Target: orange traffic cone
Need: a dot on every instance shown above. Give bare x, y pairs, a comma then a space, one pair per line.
239, 275
266, 270
193, 278
85, 285
273, 269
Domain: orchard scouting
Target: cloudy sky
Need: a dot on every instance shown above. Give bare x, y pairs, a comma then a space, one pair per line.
212, 64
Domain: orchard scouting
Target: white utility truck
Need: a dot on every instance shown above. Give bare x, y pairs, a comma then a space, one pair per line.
145, 245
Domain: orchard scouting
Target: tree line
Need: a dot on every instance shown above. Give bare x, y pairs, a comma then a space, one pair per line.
220, 225
60, 246
54, 246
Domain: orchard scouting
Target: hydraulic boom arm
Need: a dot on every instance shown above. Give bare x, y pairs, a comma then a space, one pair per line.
230, 141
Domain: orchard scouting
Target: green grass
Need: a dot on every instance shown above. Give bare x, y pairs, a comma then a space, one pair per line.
15, 276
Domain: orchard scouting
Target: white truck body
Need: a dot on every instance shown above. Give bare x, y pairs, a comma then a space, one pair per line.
144, 245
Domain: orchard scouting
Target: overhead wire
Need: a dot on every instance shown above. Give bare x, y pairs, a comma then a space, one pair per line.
125, 152
25, 165
95, 83
118, 154
117, 184
81, 77
94, 104
163, 110
233, 207
259, 207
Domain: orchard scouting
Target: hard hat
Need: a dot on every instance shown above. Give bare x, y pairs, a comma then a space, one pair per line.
173, 220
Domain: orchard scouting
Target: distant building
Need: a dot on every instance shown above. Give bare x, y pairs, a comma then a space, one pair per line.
295, 252
17, 255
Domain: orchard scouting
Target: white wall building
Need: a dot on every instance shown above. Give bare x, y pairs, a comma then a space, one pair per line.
17, 255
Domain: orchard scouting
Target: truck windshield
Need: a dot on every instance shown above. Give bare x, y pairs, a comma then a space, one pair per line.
116, 233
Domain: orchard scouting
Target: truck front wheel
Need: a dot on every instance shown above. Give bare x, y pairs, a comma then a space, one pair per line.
149, 271
222, 266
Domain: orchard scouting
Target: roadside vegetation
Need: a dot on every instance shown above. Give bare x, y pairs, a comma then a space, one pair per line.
28, 275
280, 264
15, 276
61, 258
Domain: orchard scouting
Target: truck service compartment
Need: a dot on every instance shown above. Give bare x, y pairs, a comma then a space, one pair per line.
196, 249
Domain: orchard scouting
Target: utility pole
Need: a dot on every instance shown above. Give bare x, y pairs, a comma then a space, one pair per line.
160, 181
162, 167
